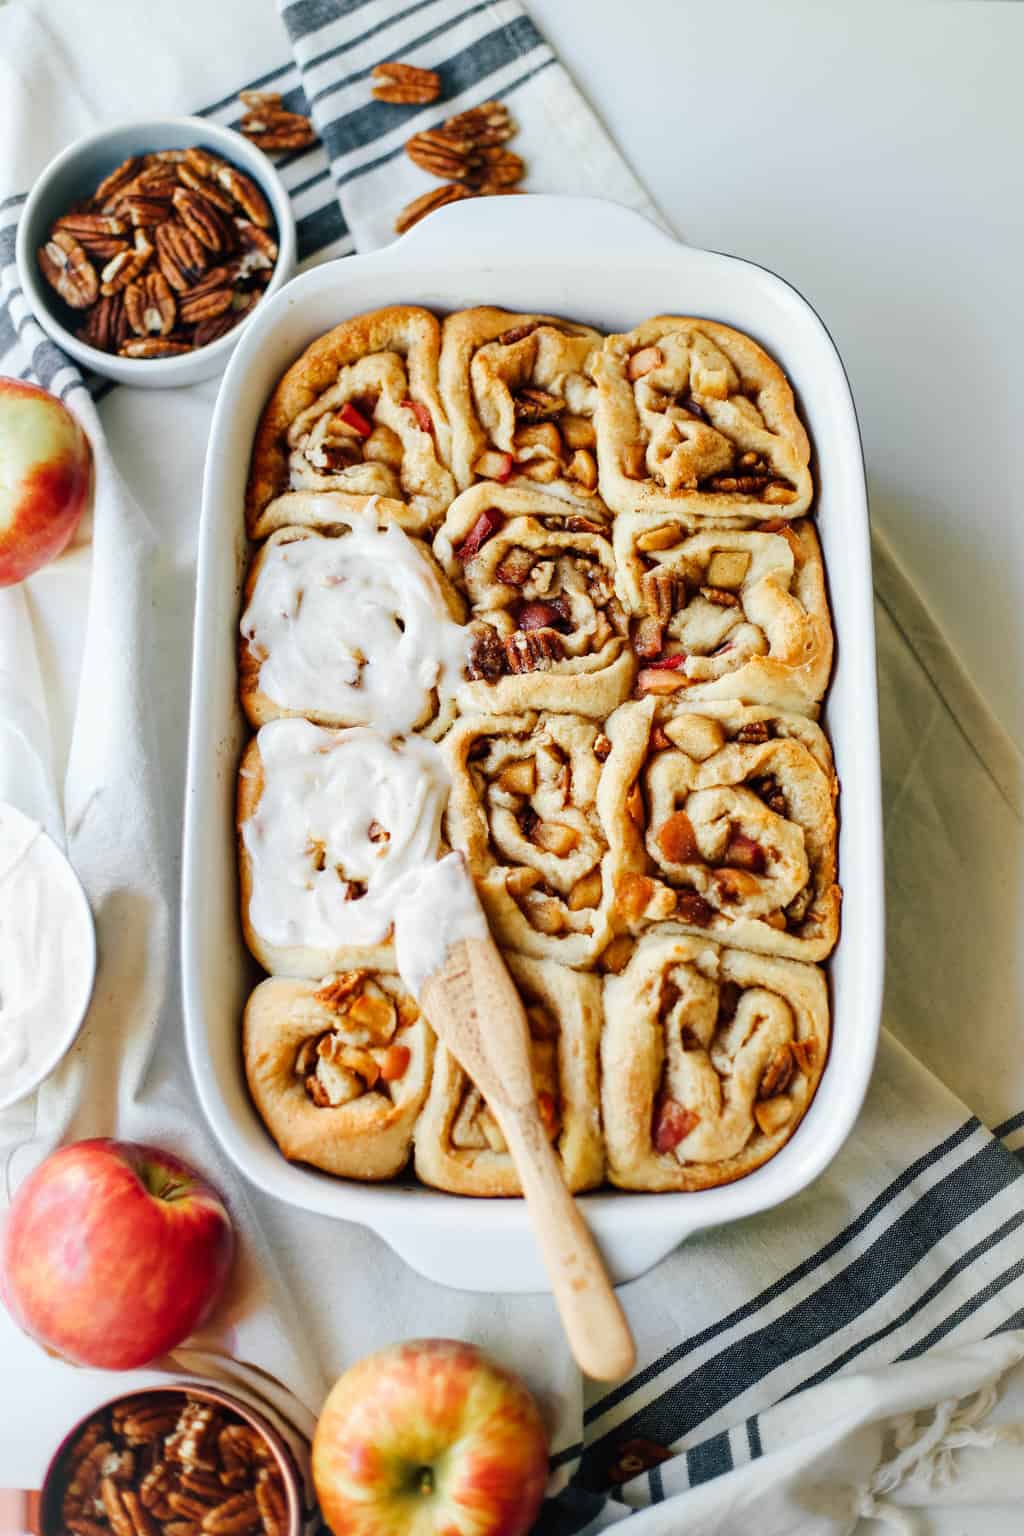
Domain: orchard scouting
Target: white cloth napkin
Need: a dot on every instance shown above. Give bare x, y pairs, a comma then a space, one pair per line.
911, 1241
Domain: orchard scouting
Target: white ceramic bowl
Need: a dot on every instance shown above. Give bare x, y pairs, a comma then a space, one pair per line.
77, 171
598, 263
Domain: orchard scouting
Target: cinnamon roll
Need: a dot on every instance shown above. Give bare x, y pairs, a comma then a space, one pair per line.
358, 413
694, 419
548, 631
722, 822
339, 1069
710, 1058
520, 398
727, 613
328, 822
458, 1145
523, 809
358, 627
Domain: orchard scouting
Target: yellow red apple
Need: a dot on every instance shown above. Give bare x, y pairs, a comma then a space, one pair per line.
429, 1438
45, 478
113, 1253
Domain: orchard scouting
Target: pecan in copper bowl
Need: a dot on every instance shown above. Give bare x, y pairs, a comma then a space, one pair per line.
144, 249
169, 1460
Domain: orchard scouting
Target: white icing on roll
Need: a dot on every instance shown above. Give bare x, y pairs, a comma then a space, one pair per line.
342, 816
435, 907
355, 627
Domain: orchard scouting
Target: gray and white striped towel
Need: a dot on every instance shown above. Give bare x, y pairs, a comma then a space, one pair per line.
913, 1241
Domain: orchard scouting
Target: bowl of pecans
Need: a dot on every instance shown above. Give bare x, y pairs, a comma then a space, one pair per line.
144, 248
170, 1459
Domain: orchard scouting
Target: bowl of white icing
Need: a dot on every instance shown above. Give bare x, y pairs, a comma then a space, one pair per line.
47, 955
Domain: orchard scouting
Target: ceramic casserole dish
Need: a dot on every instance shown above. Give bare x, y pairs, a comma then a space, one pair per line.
598, 263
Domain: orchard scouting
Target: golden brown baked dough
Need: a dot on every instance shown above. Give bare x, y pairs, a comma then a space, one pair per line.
338, 1069
359, 413
549, 631
722, 821
523, 809
696, 420
710, 1058
520, 399
727, 613
333, 596
458, 1146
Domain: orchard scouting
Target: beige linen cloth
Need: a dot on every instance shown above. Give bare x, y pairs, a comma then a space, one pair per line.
94, 675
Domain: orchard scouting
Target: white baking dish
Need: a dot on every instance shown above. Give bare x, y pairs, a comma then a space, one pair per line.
598, 263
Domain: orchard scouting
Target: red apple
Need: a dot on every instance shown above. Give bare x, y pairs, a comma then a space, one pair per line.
45, 478
113, 1253
429, 1436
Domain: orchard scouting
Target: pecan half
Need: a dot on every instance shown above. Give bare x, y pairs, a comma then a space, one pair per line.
754, 732
149, 305
270, 1499
125, 268
238, 1513
405, 84
428, 202
777, 1074
450, 156
194, 307
144, 212
181, 257
212, 330
487, 124
67, 268
534, 650
189, 177
154, 346
270, 126
204, 220
106, 324
245, 193
117, 180
90, 224
499, 168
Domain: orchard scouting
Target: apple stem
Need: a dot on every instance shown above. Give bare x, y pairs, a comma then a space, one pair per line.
426, 1480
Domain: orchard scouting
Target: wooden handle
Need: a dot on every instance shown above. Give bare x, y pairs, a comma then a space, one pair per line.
594, 1322
475, 1008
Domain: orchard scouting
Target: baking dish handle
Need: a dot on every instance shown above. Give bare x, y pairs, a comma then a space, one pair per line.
489, 222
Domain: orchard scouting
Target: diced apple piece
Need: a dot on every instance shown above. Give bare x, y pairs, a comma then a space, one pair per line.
555, 837
662, 537
673, 1122
424, 420
698, 736
395, 1063
519, 778
643, 362
728, 568
578, 431
587, 892
355, 419
634, 461
488, 523
677, 839
492, 465
744, 853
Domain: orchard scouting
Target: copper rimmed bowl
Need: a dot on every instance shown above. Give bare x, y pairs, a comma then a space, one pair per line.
49, 1520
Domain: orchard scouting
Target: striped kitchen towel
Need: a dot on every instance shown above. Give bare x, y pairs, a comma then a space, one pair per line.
913, 1241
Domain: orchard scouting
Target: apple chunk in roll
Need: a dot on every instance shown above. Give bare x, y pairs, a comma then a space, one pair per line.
727, 613
695, 419
710, 1058
458, 1144
355, 626
548, 631
328, 823
358, 413
722, 822
520, 398
339, 1069
523, 810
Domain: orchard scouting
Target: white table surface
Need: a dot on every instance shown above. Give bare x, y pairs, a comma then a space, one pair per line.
872, 158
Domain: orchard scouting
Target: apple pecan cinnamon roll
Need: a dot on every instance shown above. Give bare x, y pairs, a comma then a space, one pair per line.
695, 419
727, 613
548, 631
355, 627
523, 809
710, 1058
722, 821
358, 413
458, 1144
339, 1069
520, 398
328, 823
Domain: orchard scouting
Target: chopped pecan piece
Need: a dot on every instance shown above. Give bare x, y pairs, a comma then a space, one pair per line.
692, 908
515, 569
754, 732
776, 1076
536, 650
533, 404
661, 594
405, 84
720, 597
487, 658
518, 333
